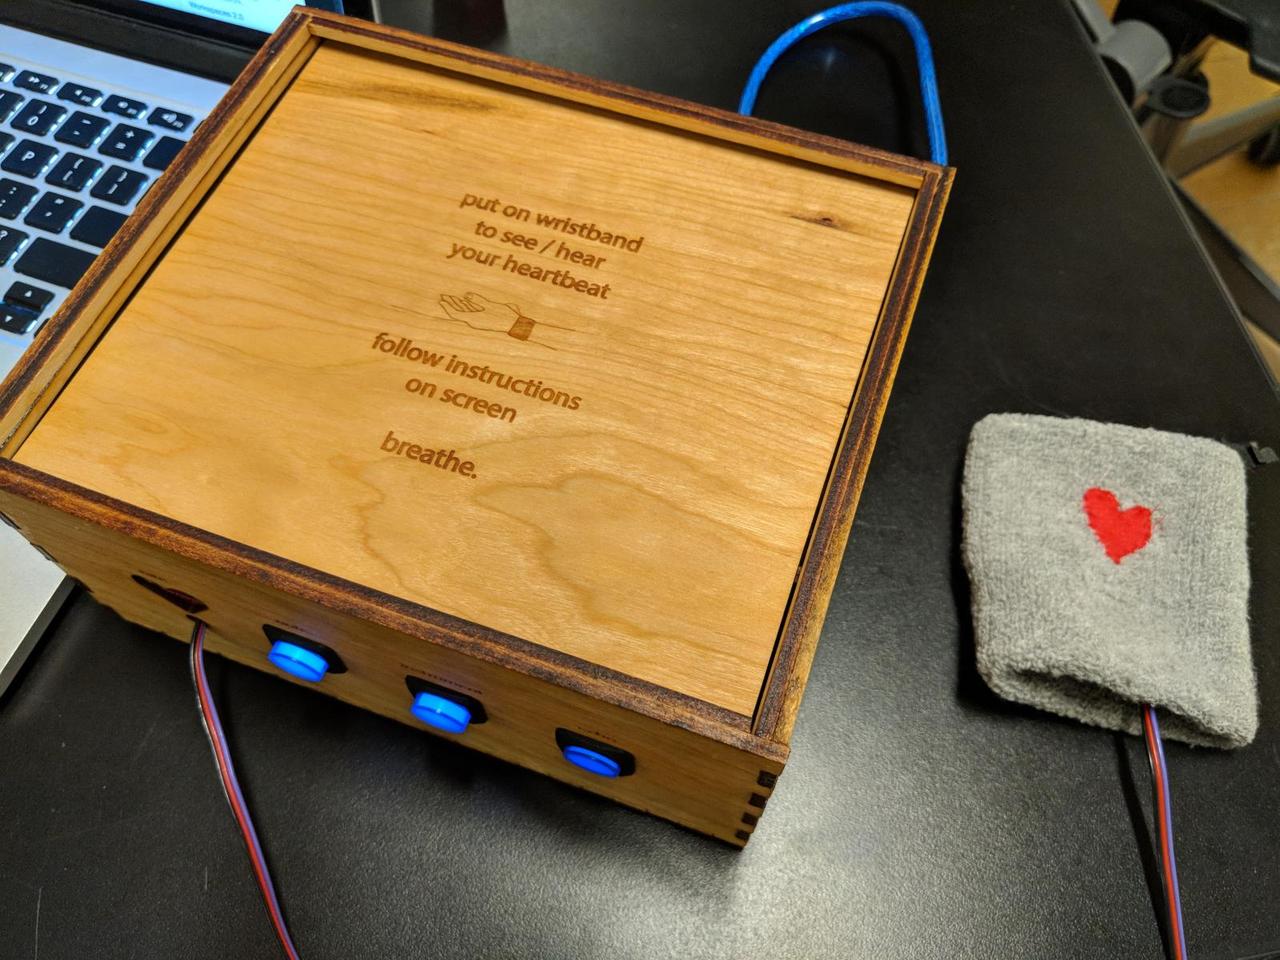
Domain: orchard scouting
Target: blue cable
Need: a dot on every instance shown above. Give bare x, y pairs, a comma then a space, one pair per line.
852, 11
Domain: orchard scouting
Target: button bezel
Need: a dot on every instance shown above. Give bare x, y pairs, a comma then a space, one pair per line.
418, 685
625, 760
275, 634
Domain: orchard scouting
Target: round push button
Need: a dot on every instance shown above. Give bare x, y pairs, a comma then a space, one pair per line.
298, 661
441, 712
592, 761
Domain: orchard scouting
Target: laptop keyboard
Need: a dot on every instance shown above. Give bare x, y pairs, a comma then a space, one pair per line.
75, 158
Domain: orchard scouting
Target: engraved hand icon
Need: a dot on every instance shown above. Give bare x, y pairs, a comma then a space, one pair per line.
478, 311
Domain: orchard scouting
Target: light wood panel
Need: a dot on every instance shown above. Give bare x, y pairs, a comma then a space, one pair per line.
657, 528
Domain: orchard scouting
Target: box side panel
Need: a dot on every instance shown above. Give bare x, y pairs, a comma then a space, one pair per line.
693, 780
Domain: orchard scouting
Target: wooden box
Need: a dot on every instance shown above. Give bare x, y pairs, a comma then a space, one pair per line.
490, 379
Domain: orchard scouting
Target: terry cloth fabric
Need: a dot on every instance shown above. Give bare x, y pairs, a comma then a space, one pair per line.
1109, 569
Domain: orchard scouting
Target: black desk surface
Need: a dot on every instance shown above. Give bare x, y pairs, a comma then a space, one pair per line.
919, 817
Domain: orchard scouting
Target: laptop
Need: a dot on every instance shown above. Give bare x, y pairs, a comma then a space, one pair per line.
96, 99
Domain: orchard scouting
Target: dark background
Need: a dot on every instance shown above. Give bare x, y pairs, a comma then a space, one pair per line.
919, 816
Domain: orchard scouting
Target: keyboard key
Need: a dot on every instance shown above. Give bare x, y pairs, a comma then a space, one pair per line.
75, 93
38, 117
28, 159
5, 140
118, 185
170, 119
6, 71
124, 107
52, 212
9, 102
15, 319
25, 295
73, 171
39, 82
15, 197
10, 241
125, 142
97, 226
82, 130
162, 153
54, 262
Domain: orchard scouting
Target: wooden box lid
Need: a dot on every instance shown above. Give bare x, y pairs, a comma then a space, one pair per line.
564, 360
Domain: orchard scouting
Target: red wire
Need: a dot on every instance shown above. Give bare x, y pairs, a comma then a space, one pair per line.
222, 761
235, 812
1170, 895
258, 868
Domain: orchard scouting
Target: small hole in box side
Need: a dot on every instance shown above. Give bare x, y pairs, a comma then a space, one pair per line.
183, 601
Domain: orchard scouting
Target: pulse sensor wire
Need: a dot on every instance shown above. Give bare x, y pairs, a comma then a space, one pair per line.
231, 790
1164, 824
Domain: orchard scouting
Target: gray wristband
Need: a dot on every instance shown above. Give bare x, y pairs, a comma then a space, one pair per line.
1109, 569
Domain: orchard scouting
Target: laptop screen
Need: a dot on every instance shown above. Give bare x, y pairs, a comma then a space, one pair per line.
262, 15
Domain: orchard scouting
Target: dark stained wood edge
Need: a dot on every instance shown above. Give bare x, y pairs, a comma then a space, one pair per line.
793, 655
35, 360
907, 171
412, 619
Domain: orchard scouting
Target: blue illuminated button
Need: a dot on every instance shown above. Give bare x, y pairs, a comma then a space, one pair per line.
298, 661
441, 712
592, 761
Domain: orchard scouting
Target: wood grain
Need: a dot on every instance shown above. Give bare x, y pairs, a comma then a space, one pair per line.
618, 98
657, 529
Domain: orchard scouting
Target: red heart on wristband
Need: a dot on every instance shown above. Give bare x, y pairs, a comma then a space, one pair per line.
1121, 532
